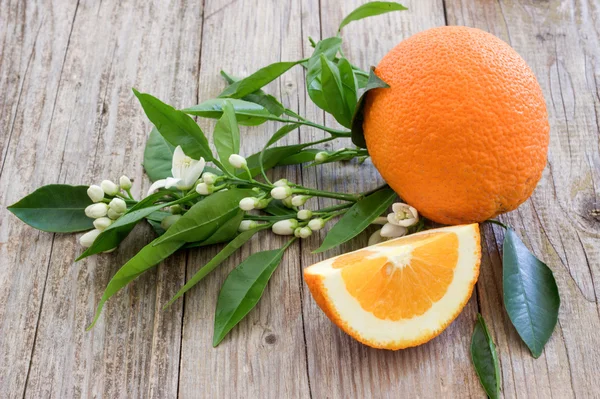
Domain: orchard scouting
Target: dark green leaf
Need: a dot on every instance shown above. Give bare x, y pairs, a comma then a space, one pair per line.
258, 79
333, 93
247, 113
259, 97
156, 227
243, 288
371, 9
155, 218
55, 208
229, 249
349, 85
112, 236
303, 156
225, 233
530, 293
158, 156
206, 217
276, 208
148, 257
271, 158
328, 47
358, 218
358, 136
176, 127
227, 136
485, 359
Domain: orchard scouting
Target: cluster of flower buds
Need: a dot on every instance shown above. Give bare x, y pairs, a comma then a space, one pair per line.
103, 213
396, 224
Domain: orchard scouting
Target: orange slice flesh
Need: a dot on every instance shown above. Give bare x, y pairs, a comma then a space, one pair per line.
402, 292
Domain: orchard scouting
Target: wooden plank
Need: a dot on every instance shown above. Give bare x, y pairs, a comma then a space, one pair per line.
264, 356
34, 39
440, 368
560, 41
134, 350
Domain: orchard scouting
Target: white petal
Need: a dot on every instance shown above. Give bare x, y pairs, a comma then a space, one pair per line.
156, 185
178, 158
193, 173
407, 222
414, 212
392, 231
392, 219
398, 206
171, 182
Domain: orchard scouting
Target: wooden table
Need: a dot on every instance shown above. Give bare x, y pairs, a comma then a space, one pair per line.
67, 115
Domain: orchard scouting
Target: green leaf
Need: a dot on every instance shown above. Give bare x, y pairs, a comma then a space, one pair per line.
259, 97
530, 293
176, 127
333, 93
303, 156
329, 48
112, 236
276, 208
358, 218
148, 257
281, 133
371, 9
156, 227
349, 84
206, 217
158, 156
485, 359
225, 233
55, 208
247, 113
229, 249
374, 82
258, 79
271, 158
227, 136
243, 288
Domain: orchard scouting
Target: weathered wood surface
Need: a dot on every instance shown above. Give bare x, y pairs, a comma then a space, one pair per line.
67, 115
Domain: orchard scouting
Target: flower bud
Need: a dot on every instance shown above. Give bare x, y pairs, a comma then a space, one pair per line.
95, 193
261, 204
281, 183
88, 238
304, 214
118, 205
176, 209
302, 232
112, 214
316, 224
281, 192
285, 227
169, 220
109, 187
375, 238
321, 156
96, 210
299, 200
125, 182
237, 161
381, 220
393, 231
205, 189
287, 202
246, 225
209, 178
102, 223
248, 203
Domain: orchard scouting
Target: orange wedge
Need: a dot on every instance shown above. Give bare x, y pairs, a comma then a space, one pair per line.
400, 293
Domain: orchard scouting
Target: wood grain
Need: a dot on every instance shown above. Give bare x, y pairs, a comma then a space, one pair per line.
67, 115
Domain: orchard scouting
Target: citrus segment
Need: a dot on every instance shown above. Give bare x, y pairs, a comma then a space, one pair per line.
402, 292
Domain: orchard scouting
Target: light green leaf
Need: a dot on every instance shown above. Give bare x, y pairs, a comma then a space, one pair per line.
259, 97
371, 9
158, 156
176, 127
243, 289
485, 359
227, 136
225, 233
358, 218
329, 48
349, 84
229, 249
258, 79
531, 295
333, 93
247, 113
55, 208
307, 155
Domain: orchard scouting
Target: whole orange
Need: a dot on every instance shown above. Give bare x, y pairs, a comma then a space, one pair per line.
462, 133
